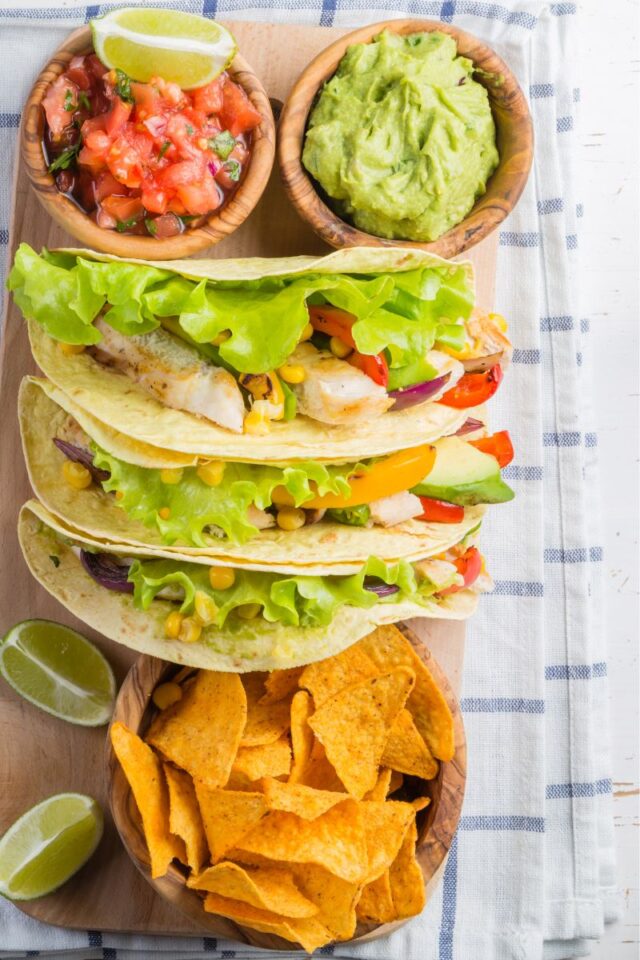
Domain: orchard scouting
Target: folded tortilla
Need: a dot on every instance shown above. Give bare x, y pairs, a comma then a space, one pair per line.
48, 548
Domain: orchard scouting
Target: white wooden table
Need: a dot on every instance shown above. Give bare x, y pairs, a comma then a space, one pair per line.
611, 270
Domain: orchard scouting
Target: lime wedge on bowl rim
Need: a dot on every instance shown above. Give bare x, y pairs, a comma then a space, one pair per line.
147, 42
48, 844
59, 671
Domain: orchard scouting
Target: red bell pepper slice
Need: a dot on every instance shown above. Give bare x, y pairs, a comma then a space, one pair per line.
375, 366
469, 566
337, 323
499, 446
473, 389
439, 511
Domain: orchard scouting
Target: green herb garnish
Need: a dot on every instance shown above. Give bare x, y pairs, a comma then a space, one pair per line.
151, 227
233, 168
188, 218
123, 86
69, 102
84, 101
189, 129
54, 560
65, 158
163, 149
223, 144
123, 225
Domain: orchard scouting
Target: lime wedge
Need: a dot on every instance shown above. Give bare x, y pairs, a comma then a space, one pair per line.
179, 47
59, 671
48, 844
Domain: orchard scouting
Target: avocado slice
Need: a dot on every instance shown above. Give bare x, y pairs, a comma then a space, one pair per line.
464, 475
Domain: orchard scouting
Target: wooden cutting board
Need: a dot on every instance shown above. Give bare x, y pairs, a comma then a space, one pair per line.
40, 755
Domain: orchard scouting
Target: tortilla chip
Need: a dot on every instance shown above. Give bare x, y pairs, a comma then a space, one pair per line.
254, 763
319, 772
143, 770
269, 888
308, 932
334, 897
184, 817
387, 646
420, 803
305, 802
326, 677
335, 841
202, 731
406, 878
353, 726
266, 722
385, 825
396, 782
280, 684
406, 751
301, 734
376, 903
381, 787
227, 815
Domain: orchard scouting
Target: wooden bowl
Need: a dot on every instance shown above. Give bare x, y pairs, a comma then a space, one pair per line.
514, 139
64, 211
436, 825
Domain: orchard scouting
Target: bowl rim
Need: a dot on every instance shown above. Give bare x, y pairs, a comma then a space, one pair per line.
436, 825
482, 219
74, 220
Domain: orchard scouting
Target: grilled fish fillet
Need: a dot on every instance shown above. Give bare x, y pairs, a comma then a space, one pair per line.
335, 392
174, 373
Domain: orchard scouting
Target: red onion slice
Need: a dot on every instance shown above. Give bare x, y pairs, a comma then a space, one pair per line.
380, 588
418, 392
469, 426
106, 571
85, 457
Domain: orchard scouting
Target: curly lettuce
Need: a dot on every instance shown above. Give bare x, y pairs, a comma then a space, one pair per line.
404, 314
292, 600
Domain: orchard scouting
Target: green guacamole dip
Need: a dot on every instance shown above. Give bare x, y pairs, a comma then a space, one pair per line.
402, 136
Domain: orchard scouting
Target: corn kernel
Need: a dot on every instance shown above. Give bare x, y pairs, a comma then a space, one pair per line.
221, 578
290, 518
256, 424
190, 630
339, 348
499, 321
76, 475
166, 695
171, 475
206, 610
164, 513
248, 611
119, 495
69, 349
172, 625
221, 337
307, 333
292, 373
212, 472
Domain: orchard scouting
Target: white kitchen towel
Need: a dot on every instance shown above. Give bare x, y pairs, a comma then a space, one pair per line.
531, 871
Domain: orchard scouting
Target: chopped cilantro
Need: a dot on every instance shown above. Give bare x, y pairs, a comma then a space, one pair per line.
233, 169
54, 560
84, 101
223, 144
151, 226
65, 158
163, 149
123, 86
123, 225
189, 129
69, 102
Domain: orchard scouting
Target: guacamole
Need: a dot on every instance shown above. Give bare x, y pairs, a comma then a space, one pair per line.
402, 137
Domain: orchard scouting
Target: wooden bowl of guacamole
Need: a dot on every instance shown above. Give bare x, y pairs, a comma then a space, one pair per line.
407, 132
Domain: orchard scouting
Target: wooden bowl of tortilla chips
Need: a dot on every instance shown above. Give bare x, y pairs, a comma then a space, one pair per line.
295, 808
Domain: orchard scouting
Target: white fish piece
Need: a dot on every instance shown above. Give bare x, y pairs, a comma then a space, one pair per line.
442, 573
70, 431
335, 392
174, 373
260, 518
443, 363
388, 511
489, 344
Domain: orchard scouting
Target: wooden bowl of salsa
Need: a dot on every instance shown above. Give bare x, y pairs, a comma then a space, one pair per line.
513, 139
145, 170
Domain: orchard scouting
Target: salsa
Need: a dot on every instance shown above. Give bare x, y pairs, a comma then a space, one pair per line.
145, 158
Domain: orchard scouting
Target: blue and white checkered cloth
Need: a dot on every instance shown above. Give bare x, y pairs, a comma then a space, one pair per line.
530, 875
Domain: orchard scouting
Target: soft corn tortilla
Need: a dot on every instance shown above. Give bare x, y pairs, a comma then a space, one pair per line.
113, 398
95, 513
258, 646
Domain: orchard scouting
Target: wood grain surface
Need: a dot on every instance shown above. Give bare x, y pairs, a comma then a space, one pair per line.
514, 134
40, 755
219, 224
436, 825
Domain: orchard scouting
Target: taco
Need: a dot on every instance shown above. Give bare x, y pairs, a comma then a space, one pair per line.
191, 611
354, 354
280, 516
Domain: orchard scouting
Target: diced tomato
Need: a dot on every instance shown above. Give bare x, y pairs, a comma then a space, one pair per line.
148, 100
117, 117
62, 91
154, 198
499, 446
169, 225
95, 67
238, 115
123, 161
92, 124
98, 142
105, 185
200, 197
105, 220
123, 208
180, 174
473, 389
375, 366
95, 162
79, 73
209, 99
439, 511
469, 566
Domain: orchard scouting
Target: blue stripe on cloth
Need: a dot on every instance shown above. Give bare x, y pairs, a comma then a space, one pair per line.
571, 241
228, 954
490, 11
4, 237
576, 94
554, 205
585, 325
575, 671
569, 438
447, 11
91, 12
591, 439
567, 791
526, 356
551, 324
518, 588
210, 8
579, 358
9, 120
328, 13
573, 555
109, 953
564, 124
501, 705
503, 822
563, 9
515, 472
537, 91
509, 238
209, 944
579, 210
95, 938
327, 951
449, 898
